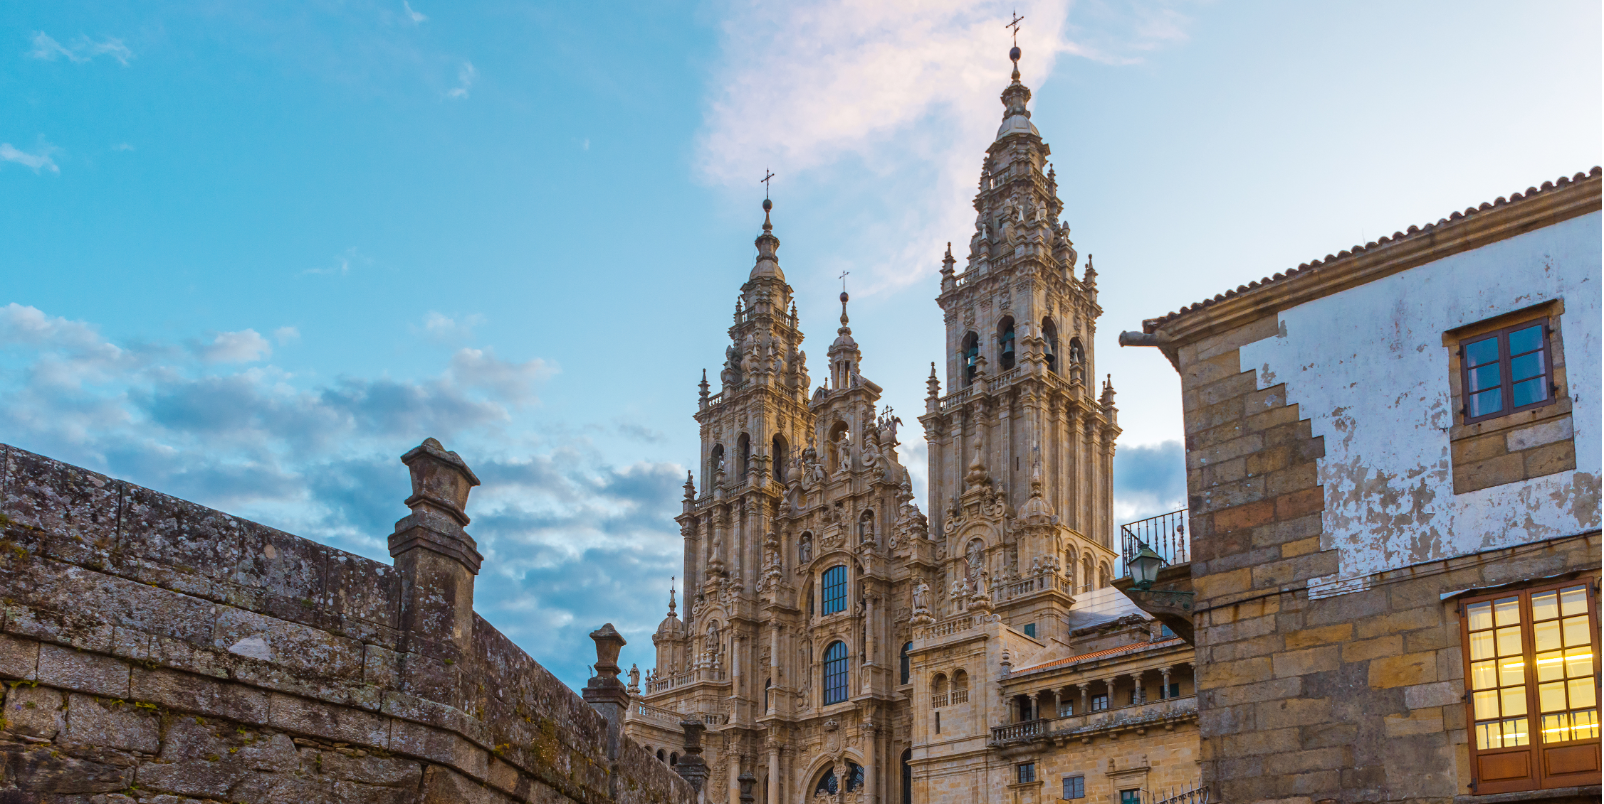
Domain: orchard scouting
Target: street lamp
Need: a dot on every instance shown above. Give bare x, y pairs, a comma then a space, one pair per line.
1144, 567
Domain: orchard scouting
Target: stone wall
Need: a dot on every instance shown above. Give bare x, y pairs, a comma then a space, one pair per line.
153, 650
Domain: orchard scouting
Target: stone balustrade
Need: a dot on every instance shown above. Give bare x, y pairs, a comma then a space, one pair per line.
1135, 716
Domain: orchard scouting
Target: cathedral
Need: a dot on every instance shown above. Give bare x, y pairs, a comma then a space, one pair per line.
842, 644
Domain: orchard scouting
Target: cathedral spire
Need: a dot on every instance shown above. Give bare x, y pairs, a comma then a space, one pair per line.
768, 264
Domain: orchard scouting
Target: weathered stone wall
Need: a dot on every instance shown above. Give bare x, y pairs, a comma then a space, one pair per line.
154, 650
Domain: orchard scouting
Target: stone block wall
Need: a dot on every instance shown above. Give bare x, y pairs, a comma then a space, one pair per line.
154, 650
1353, 694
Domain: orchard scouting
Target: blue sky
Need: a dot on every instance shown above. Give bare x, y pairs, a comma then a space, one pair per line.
251, 254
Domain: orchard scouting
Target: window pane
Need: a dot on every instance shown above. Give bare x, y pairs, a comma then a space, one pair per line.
1512, 672
1582, 692
1530, 392
1525, 367
1574, 600
1483, 675
1547, 635
1486, 704
1512, 700
1556, 728
1486, 402
1579, 662
1481, 645
1545, 606
1481, 352
1577, 631
1515, 732
1479, 616
1488, 376
835, 590
1550, 666
1551, 697
1526, 340
1488, 736
1507, 611
1584, 725
835, 673
1509, 641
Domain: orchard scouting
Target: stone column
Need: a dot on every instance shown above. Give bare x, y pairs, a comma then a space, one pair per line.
871, 751
1085, 697
868, 629
774, 774
437, 561
1108, 684
1054, 713
604, 692
1164, 691
733, 762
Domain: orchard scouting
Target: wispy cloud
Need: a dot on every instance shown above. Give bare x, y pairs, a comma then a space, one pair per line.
895, 87
286, 335
446, 329
37, 161
466, 75
122, 146
83, 49
341, 264
416, 17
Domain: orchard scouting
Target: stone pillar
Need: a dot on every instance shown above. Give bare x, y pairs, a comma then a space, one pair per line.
1108, 683
1085, 697
774, 774
437, 561
1164, 691
871, 735
1054, 713
692, 768
868, 630
604, 692
733, 762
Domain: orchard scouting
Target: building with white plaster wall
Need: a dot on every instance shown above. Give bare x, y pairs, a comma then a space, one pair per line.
1393, 458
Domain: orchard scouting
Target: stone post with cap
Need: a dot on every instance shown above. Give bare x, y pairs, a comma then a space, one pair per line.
604, 692
437, 561
692, 768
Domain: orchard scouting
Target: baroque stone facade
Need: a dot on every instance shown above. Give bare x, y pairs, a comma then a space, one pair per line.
840, 644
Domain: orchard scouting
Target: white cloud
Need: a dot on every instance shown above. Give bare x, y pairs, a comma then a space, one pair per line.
286, 335
122, 146
897, 86
245, 346
466, 75
512, 382
36, 161
446, 329
413, 15
83, 49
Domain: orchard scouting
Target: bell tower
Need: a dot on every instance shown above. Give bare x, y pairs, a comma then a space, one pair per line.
1021, 445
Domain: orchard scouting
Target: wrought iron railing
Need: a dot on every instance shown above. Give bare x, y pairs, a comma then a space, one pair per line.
1198, 794
1164, 534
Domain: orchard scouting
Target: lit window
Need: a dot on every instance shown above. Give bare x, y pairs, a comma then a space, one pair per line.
1533, 687
835, 590
835, 673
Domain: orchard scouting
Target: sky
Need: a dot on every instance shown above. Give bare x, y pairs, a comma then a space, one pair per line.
252, 253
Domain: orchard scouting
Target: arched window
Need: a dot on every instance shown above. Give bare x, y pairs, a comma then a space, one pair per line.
960, 687
715, 461
1005, 343
1102, 575
1049, 336
835, 673
906, 646
743, 452
835, 590
827, 784
938, 690
767, 685
673, 759
907, 776
779, 456
970, 355
854, 776
660, 756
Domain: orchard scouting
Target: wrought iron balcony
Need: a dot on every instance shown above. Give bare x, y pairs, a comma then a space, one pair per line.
1164, 534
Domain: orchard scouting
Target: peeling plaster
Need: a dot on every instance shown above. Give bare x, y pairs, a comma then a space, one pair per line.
1368, 368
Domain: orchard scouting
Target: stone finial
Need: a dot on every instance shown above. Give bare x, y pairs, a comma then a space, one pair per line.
608, 643
671, 597
692, 768
746, 780
441, 481
703, 394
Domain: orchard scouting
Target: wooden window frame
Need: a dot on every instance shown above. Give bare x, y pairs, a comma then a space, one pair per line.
1537, 779
1025, 772
1506, 382
1081, 787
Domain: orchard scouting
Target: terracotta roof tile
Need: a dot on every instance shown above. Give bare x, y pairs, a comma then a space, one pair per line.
1086, 657
1152, 324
